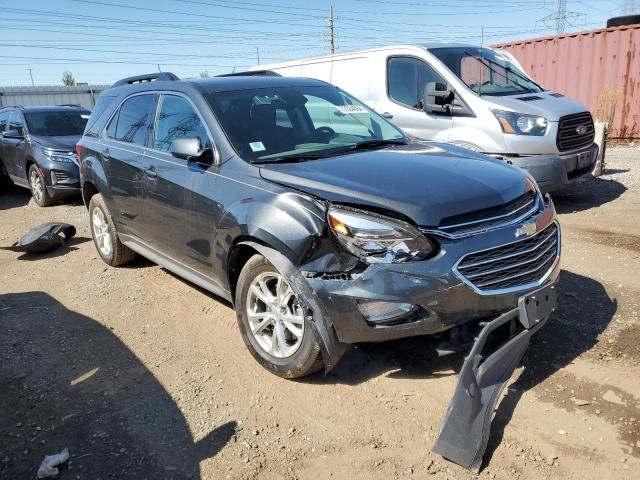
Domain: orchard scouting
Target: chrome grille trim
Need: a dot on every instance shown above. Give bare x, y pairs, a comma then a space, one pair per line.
568, 138
540, 251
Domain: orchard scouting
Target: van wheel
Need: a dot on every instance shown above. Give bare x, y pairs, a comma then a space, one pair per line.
273, 323
39, 187
112, 251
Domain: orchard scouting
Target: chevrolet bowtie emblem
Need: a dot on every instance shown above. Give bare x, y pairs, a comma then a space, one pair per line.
527, 229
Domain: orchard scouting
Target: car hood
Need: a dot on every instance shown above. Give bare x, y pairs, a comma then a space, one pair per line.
426, 182
66, 143
542, 103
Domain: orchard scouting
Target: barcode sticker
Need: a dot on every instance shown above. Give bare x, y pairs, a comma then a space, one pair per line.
351, 109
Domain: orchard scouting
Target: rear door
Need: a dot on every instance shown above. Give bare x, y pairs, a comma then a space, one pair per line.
4, 121
183, 211
122, 154
406, 79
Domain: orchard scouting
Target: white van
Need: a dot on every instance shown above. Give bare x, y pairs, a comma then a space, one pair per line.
477, 98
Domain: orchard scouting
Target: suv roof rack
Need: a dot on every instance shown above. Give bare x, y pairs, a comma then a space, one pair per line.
12, 106
148, 77
252, 73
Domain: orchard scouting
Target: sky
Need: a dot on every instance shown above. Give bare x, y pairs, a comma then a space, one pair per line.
100, 41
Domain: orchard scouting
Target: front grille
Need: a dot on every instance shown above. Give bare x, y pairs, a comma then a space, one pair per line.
568, 136
468, 223
517, 264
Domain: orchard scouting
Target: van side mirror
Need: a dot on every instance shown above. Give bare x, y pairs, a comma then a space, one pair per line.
190, 149
437, 98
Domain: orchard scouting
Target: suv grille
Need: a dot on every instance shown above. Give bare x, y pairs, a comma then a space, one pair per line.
569, 137
516, 210
513, 265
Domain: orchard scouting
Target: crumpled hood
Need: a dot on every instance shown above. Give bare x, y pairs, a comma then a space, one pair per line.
66, 143
426, 182
552, 108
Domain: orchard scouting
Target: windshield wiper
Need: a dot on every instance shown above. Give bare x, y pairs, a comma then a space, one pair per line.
304, 156
507, 69
294, 157
375, 143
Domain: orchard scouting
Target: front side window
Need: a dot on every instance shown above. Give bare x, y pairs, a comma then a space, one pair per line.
133, 120
56, 124
286, 122
4, 120
16, 123
407, 79
486, 71
177, 119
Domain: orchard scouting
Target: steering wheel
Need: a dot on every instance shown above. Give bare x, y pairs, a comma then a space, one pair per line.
324, 134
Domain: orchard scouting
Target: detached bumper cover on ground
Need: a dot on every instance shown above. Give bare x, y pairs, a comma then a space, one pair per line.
465, 430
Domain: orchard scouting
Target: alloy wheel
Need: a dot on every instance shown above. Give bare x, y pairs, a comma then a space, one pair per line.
36, 185
101, 233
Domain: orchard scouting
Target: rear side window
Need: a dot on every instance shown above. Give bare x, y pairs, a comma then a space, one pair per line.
177, 119
133, 120
100, 107
4, 120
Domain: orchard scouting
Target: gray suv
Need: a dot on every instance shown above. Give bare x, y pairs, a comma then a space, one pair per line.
37, 149
316, 217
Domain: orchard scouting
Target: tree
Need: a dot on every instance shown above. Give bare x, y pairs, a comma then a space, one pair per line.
204, 74
68, 80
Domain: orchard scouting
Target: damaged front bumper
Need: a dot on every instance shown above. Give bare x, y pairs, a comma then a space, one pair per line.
494, 356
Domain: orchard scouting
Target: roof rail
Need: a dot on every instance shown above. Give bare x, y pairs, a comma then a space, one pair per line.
148, 77
74, 105
12, 106
252, 73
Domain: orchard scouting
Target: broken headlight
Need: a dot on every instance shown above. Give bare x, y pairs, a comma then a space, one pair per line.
378, 239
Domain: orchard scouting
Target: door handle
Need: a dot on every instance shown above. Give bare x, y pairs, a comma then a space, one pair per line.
387, 115
151, 172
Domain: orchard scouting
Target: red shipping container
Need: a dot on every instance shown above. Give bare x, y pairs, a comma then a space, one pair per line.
599, 68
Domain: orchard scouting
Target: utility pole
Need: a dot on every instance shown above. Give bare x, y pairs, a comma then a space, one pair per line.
332, 46
31, 74
159, 69
258, 54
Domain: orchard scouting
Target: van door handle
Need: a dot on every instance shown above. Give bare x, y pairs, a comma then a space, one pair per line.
151, 172
387, 115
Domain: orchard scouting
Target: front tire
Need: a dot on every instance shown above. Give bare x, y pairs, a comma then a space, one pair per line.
39, 187
274, 325
112, 251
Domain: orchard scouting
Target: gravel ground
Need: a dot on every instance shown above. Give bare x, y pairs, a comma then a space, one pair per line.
142, 375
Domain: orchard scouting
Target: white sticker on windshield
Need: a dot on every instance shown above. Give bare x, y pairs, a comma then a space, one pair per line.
351, 109
257, 146
85, 116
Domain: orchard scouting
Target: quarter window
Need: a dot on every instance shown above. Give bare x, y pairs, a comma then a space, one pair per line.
407, 77
177, 119
132, 120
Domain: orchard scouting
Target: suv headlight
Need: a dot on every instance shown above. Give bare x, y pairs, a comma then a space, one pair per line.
378, 239
521, 124
60, 156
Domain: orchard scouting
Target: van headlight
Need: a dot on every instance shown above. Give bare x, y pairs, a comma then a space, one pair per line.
378, 239
521, 124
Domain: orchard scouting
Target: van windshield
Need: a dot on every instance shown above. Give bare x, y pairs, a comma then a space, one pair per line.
486, 71
300, 122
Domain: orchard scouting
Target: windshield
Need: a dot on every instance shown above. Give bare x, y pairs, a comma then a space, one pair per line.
56, 124
297, 122
485, 71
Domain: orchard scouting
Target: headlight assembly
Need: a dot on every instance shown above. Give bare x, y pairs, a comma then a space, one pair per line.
60, 156
378, 239
521, 124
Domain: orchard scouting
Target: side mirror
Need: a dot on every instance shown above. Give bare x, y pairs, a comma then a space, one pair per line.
437, 98
190, 149
13, 133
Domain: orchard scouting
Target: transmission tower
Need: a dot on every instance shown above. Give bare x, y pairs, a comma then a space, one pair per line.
562, 18
629, 7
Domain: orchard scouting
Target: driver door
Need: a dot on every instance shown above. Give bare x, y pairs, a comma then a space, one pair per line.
406, 80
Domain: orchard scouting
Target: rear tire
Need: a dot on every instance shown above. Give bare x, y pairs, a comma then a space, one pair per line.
274, 326
39, 187
105, 237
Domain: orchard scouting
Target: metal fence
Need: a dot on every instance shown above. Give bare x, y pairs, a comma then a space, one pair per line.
83, 95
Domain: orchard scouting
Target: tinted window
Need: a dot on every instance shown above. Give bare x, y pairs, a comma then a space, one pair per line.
407, 79
16, 123
57, 124
133, 119
4, 119
177, 119
98, 110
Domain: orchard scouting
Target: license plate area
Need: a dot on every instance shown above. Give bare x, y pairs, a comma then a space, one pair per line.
584, 159
537, 306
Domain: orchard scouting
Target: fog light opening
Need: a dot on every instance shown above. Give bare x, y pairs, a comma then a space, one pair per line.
385, 313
